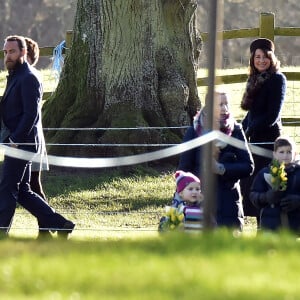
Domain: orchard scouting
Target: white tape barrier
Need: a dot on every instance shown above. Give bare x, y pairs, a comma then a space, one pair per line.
78, 162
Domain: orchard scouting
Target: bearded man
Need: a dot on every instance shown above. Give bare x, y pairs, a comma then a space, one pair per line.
21, 128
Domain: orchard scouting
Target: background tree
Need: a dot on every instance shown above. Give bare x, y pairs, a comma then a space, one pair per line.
132, 63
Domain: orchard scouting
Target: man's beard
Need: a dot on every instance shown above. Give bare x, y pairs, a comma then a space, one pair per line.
11, 65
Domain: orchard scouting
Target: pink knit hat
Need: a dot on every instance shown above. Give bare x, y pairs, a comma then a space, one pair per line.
183, 179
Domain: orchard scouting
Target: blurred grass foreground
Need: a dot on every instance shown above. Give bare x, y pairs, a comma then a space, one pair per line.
217, 265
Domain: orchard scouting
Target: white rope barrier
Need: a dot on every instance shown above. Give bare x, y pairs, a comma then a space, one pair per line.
146, 229
80, 162
113, 145
104, 213
112, 128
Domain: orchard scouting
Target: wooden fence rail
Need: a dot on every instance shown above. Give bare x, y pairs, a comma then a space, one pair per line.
241, 77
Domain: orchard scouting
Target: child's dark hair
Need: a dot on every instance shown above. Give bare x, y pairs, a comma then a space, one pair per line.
284, 141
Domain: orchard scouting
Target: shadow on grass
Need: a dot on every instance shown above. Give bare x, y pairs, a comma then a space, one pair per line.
88, 188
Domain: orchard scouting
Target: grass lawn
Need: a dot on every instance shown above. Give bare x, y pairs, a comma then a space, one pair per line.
216, 265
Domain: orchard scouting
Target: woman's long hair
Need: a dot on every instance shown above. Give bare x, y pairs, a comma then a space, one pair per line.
257, 79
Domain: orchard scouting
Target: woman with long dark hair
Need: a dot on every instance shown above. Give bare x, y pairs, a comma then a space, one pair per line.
263, 100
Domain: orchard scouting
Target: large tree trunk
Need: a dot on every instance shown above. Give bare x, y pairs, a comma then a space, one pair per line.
132, 63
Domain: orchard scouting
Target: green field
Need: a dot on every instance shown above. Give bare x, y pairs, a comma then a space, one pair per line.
215, 265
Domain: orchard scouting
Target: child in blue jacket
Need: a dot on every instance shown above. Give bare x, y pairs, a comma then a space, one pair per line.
279, 205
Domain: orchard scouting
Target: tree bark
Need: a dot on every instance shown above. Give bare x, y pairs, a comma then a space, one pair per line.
132, 63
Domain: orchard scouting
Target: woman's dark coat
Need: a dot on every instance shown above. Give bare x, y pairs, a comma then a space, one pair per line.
262, 124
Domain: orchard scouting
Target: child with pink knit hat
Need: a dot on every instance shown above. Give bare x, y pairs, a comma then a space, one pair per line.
188, 188
188, 199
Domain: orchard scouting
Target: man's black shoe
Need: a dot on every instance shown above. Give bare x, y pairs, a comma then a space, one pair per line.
65, 230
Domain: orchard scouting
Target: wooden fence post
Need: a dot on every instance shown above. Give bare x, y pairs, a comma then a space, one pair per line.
69, 37
267, 25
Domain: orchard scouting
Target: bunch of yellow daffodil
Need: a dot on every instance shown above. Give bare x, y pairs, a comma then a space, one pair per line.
174, 217
279, 176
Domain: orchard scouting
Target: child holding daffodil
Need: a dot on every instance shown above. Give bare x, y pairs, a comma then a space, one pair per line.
186, 211
276, 189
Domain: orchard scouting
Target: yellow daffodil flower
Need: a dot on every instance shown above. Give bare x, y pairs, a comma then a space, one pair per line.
279, 176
